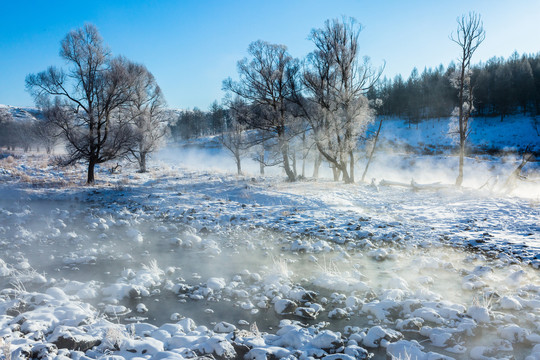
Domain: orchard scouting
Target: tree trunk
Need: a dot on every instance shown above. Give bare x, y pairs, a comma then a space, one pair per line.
351, 167
372, 150
238, 164
286, 164
459, 179
294, 164
90, 179
345, 174
336, 172
317, 165
142, 162
261, 165
304, 155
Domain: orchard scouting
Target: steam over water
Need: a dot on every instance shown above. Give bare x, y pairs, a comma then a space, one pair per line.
480, 171
190, 255
127, 258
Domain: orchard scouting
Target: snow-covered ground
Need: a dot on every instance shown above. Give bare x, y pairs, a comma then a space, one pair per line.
190, 260
194, 261
514, 133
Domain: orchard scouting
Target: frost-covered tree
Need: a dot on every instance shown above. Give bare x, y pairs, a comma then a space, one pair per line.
6, 129
46, 132
470, 34
233, 136
86, 98
267, 81
335, 82
148, 116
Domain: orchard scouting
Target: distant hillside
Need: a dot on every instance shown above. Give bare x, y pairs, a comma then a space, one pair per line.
514, 134
20, 113
30, 114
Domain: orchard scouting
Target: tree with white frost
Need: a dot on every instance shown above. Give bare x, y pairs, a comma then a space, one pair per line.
46, 132
86, 98
335, 82
470, 34
147, 112
233, 135
266, 84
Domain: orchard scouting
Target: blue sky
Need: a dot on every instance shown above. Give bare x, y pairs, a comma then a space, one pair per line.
191, 46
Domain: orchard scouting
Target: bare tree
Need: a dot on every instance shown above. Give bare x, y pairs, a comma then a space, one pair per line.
148, 116
46, 132
266, 83
510, 183
86, 98
233, 138
470, 34
335, 83
7, 130
377, 104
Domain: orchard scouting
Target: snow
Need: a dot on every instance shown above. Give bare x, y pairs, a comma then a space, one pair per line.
514, 132
182, 262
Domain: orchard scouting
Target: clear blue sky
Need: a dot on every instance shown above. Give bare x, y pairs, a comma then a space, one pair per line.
191, 46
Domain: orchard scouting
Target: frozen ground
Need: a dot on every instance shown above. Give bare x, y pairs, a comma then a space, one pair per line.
180, 263
514, 133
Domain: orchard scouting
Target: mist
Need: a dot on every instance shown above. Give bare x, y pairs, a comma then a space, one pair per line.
482, 172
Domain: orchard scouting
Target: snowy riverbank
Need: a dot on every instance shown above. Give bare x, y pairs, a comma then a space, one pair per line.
179, 263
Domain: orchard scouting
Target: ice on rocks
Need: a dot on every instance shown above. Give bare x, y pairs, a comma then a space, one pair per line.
338, 313
382, 310
73, 338
190, 239
57, 294
535, 353
480, 314
340, 282
510, 303
352, 302
377, 336
327, 340
143, 347
428, 315
357, 352
135, 235
410, 324
513, 333
285, 306
269, 352
340, 357
378, 254
404, 349
116, 310
215, 283
224, 327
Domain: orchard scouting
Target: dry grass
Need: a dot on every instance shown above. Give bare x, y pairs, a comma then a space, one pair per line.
43, 171
484, 300
281, 267
114, 337
329, 267
253, 332
8, 163
6, 348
